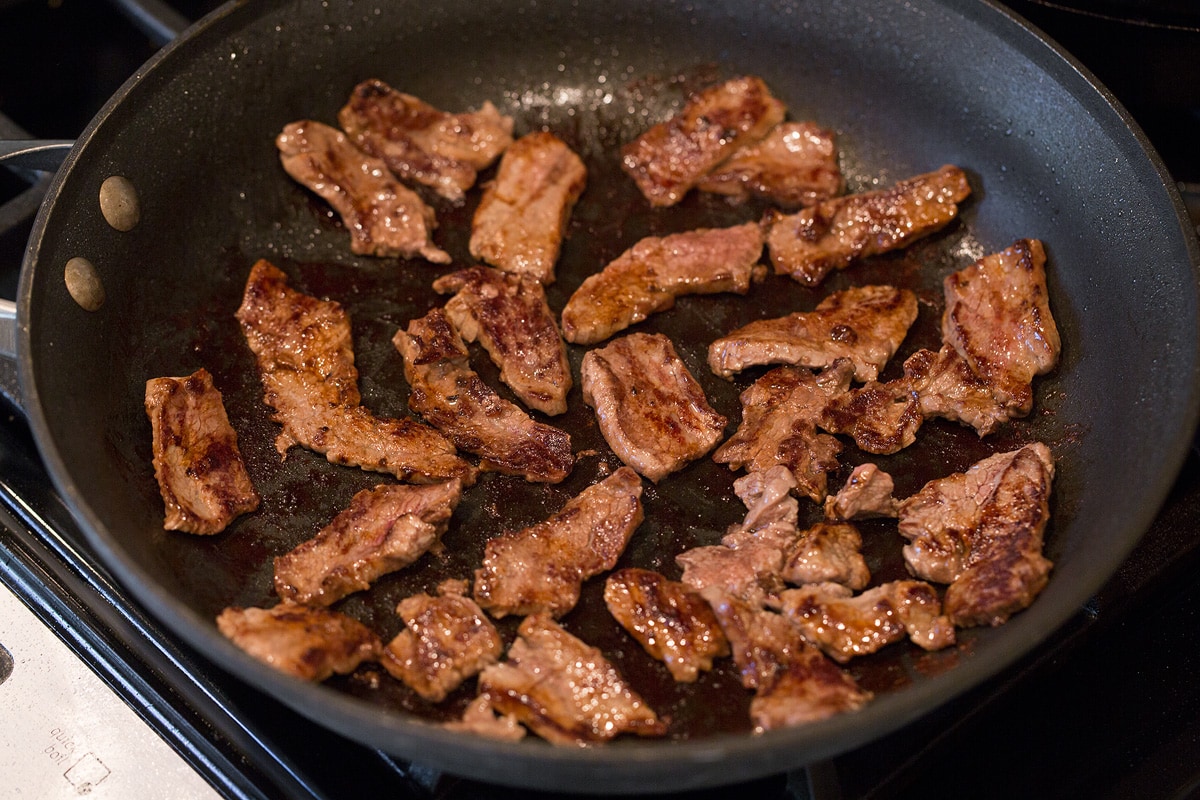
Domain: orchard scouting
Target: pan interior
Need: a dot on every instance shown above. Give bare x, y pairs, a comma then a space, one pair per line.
906, 87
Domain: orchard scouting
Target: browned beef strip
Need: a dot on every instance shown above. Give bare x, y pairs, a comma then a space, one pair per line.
845, 625
447, 639
865, 324
521, 219
981, 531
822, 552
542, 568
794, 682
306, 363
481, 719
383, 529
651, 410
867, 493
383, 216
946, 387
199, 469
309, 643
670, 158
422, 144
827, 552
509, 316
795, 164
772, 513
563, 689
451, 397
751, 571
647, 278
882, 418
780, 411
813, 242
670, 621
998, 319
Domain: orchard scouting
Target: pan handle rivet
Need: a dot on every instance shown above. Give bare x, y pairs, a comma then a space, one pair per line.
83, 282
119, 203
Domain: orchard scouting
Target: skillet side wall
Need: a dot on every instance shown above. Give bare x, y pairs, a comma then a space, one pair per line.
906, 86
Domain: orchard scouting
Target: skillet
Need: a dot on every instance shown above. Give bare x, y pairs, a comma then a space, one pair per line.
906, 86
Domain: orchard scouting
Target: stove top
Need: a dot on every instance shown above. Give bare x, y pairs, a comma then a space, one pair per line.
1106, 709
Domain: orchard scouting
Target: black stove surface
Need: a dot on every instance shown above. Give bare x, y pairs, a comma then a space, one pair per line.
1108, 708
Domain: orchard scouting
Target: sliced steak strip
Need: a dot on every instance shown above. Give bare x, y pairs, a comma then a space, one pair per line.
670, 158
794, 682
481, 719
845, 625
509, 316
520, 221
199, 469
383, 216
541, 569
422, 144
981, 531
383, 529
794, 165
867, 493
827, 552
309, 643
865, 324
998, 318
780, 412
647, 278
882, 418
670, 621
946, 387
815, 241
447, 639
651, 410
306, 363
452, 397
564, 690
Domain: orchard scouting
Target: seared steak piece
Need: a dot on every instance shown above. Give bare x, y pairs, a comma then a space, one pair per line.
751, 571
384, 529
794, 682
882, 418
827, 552
670, 158
795, 165
867, 493
780, 411
845, 625
564, 690
541, 569
509, 316
199, 469
482, 720
813, 242
422, 144
452, 397
998, 318
519, 223
647, 278
946, 387
309, 643
306, 363
447, 639
981, 531
652, 411
670, 621
823, 552
865, 324
771, 512
383, 216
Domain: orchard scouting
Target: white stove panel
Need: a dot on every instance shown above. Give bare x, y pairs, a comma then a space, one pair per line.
65, 734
